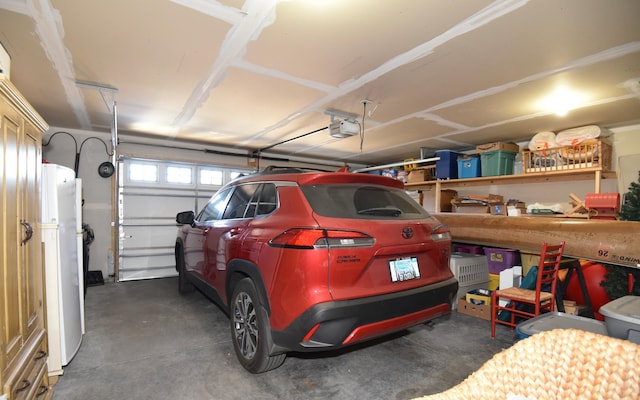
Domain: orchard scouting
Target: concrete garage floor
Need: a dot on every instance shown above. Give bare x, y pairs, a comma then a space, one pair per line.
145, 341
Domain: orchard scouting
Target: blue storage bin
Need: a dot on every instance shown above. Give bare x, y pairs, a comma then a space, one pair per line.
468, 167
447, 165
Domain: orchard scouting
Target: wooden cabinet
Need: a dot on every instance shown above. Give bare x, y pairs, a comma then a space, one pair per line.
23, 346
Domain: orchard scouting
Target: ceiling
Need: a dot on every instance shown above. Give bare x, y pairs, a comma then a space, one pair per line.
245, 75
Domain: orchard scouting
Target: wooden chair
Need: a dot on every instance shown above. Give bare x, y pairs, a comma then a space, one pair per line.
528, 303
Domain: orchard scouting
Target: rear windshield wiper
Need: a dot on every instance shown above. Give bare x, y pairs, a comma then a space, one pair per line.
385, 212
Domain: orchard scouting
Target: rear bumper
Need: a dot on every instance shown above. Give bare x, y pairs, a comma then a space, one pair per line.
340, 323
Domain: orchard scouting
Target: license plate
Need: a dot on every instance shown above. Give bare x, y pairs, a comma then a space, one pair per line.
404, 269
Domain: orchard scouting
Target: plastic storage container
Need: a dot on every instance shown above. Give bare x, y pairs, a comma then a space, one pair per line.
469, 269
447, 165
497, 162
501, 259
468, 167
558, 320
468, 248
494, 281
622, 317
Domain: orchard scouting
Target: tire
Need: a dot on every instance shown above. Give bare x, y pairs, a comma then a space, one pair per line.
250, 330
184, 286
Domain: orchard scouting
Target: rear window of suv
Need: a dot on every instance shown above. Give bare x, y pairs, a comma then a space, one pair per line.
362, 202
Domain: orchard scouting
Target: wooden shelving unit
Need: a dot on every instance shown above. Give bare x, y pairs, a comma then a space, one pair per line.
595, 174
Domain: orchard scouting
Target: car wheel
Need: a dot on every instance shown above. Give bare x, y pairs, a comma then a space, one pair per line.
184, 286
250, 331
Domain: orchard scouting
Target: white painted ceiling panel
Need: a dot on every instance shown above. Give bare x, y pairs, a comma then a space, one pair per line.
249, 74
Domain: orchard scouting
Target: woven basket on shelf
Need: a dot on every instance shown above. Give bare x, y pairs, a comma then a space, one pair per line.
559, 364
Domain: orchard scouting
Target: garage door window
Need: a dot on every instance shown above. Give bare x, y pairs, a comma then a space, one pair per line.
179, 175
211, 177
143, 173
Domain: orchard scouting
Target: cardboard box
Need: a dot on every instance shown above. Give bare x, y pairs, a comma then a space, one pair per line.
469, 205
506, 146
422, 174
479, 296
446, 195
473, 208
474, 204
503, 208
571, 307
475, 310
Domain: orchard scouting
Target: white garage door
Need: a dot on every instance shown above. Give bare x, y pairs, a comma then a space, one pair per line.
150, 195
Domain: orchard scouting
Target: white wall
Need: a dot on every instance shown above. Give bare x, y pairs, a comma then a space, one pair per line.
98, 191
626, 155
96, 210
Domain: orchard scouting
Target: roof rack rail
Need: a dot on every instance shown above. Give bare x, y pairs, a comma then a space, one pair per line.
276, 169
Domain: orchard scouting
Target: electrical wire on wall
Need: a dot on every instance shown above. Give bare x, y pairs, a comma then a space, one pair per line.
364, 113
78, 151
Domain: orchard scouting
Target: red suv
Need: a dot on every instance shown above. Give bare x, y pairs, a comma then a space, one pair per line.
306, 261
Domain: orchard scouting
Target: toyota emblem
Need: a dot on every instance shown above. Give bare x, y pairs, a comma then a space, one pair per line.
407, 232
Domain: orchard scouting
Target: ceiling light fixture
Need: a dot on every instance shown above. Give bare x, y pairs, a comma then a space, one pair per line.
562, 100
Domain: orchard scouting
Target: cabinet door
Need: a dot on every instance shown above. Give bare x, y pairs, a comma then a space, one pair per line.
11, 273
21, 294
29, 176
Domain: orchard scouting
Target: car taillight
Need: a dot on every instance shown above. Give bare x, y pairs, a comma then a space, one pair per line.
440, 232
314, 238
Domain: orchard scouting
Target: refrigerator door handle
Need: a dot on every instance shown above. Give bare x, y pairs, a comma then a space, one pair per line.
28, 231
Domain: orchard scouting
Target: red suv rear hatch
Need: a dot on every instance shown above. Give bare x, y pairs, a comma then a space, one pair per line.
379, 240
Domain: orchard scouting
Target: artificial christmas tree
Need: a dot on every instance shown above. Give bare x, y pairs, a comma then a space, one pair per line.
630, 210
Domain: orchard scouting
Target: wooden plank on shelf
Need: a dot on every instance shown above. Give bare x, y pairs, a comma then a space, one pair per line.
612, 242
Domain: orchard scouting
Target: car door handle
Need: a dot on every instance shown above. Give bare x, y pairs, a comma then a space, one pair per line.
234, 232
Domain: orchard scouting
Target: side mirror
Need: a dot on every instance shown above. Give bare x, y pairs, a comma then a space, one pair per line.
186, 218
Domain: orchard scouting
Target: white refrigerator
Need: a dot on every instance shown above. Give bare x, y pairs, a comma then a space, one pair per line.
61, 198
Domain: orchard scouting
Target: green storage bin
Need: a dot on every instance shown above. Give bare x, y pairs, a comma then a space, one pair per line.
497, 162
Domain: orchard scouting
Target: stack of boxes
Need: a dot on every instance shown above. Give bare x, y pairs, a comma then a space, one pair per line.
479, 274
505, 267
491, 159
